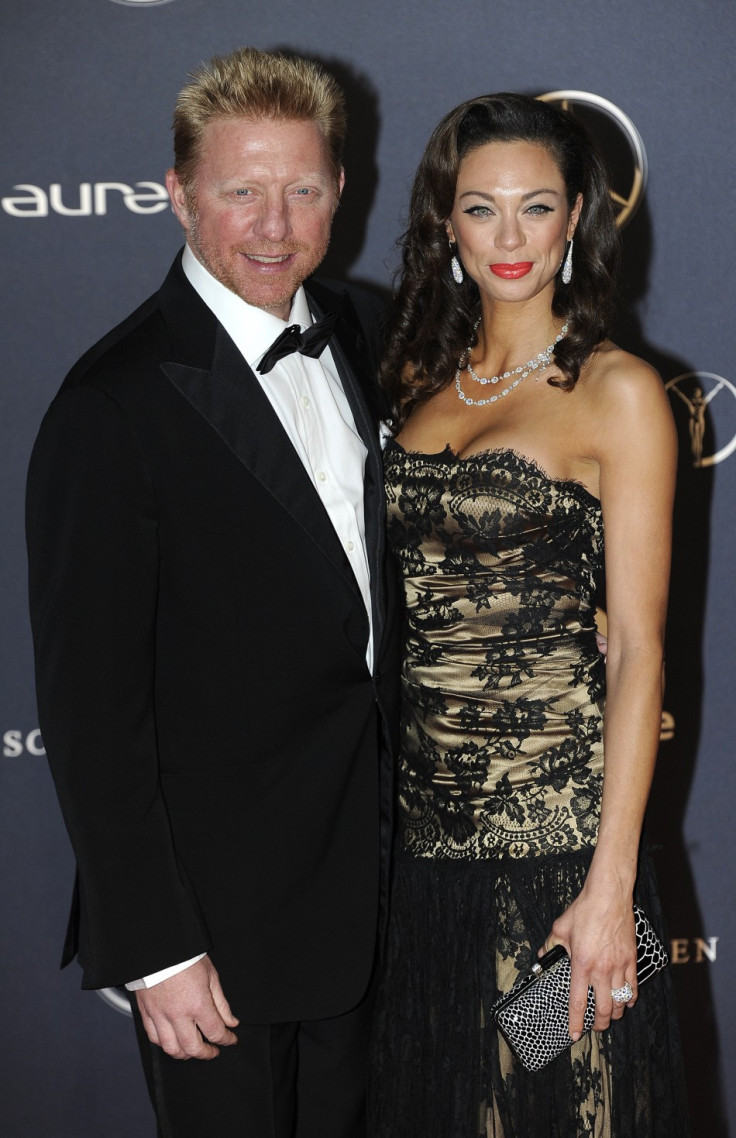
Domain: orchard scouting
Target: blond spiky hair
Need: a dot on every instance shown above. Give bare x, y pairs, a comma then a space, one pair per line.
254, 84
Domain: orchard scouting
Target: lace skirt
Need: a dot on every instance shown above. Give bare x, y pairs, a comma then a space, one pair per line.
460, 934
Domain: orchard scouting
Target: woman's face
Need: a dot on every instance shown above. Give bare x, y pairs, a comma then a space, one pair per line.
511, 219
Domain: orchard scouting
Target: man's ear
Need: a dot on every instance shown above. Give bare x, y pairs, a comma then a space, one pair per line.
340, 188
177, 197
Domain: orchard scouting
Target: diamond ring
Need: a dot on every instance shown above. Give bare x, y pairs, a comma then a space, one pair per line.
623, 994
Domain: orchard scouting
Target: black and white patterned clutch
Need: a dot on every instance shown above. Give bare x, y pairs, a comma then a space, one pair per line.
534, 1014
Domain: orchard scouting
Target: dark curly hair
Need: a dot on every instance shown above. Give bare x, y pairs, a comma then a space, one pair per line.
434, 317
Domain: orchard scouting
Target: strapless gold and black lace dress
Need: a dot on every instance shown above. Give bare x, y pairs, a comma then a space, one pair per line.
499, 790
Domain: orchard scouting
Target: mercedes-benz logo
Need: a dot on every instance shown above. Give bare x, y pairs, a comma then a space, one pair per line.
620, 142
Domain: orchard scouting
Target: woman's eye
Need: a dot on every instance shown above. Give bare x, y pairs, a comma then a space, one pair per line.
539, 208
478, 211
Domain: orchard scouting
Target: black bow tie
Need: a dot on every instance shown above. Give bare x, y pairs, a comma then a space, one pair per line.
312, 342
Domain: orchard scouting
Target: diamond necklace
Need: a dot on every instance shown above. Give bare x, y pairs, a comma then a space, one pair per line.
542, 359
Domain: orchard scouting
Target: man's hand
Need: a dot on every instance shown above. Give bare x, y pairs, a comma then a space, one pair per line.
188, 1014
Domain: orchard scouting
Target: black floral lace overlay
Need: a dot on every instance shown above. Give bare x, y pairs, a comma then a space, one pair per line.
502, 747
500, 778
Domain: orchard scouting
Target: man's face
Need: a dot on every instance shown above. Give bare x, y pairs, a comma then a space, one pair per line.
260, 206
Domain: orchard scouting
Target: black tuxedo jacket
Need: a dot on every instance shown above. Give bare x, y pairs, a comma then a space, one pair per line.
219, 747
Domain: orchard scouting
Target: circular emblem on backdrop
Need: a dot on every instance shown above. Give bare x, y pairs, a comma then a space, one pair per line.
620, 143
697, 394
141, 3
117, 998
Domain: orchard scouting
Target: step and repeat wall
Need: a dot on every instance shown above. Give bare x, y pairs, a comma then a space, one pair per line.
87, 92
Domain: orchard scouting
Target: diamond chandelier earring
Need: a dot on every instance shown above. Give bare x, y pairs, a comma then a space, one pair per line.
457, 269
567, 265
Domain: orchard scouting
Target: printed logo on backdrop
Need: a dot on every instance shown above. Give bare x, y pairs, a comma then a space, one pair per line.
620, 142
141, 3
698, 394
86, 200
116, 998
667, 727
694, 950
17, 743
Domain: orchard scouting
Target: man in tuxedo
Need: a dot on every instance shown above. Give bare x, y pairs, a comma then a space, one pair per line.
214, 630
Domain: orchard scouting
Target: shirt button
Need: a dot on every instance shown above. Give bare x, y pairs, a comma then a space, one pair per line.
305, 401
322, 476
350, 546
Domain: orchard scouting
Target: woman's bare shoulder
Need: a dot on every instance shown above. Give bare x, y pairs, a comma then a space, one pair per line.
616, 380
628, 404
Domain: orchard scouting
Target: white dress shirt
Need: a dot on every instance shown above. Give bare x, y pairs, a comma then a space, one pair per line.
307, 396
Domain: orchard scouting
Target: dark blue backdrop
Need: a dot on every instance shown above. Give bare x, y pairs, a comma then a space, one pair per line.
87, 90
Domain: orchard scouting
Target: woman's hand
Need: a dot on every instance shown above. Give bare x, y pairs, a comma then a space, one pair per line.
597, 930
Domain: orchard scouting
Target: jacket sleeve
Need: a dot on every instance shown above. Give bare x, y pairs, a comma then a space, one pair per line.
92, 535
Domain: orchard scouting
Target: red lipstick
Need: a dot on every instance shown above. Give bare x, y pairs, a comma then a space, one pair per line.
511, 272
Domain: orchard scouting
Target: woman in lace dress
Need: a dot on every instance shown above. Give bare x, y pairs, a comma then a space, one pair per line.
530, 455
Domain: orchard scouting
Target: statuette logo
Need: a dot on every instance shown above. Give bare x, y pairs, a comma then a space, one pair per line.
709, 403
620, 142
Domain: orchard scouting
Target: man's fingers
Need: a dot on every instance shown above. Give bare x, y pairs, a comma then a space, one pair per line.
184, 1041
150, 1028
220, 1002
181, 1038
182, 1015
214, 1029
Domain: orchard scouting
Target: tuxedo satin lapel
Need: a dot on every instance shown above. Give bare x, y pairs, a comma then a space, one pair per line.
353, 360
229, 397
191, 324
